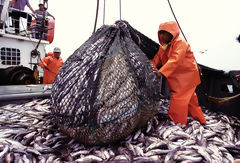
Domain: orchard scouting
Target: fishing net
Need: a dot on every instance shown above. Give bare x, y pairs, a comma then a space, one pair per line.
107, 89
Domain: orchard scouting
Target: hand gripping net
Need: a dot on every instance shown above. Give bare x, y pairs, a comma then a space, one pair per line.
107, 89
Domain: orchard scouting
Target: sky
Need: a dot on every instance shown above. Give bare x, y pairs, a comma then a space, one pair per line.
210, 26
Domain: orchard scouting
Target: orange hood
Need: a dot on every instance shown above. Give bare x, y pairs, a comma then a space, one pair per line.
170, 27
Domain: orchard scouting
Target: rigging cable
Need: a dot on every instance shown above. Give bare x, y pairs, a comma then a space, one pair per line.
104, 12
120, 9
176, 19
96, 17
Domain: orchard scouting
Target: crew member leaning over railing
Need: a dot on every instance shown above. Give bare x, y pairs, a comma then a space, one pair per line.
17, 12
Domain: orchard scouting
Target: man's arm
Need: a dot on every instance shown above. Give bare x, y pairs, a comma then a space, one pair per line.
156, 61
61, 61
33, 11
178, 54
11, 3
30, 7
48, 14
44, 62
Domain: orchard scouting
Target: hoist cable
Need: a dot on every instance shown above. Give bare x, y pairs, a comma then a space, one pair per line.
120, 9
96, 17
104, 12
176, 20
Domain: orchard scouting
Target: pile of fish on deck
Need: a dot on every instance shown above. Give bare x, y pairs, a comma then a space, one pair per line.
27, 134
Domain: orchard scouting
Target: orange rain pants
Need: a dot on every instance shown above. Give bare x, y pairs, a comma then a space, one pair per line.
184, 104
180, 69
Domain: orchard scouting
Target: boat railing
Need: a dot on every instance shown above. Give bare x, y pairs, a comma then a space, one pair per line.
35, 28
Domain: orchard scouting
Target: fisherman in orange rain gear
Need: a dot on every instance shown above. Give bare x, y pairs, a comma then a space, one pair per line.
51, 65
181, 70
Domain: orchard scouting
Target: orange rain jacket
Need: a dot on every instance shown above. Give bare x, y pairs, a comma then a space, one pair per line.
53, 64
177, 61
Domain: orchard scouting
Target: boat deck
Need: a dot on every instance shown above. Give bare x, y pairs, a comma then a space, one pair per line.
18, 93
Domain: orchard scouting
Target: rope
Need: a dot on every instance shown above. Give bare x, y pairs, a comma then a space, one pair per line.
120, 9
223, 100
176, 20
96, 17
104, 12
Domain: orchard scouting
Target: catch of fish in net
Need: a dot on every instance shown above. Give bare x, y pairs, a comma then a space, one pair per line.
107, 88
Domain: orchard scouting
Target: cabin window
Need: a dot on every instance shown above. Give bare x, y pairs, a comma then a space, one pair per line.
10, 56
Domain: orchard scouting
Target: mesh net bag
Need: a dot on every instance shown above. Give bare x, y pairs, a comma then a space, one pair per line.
107, 89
